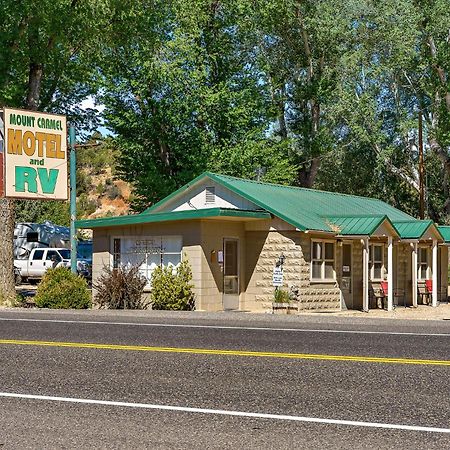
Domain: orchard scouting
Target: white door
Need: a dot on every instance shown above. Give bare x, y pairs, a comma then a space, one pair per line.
36, 264
231, 274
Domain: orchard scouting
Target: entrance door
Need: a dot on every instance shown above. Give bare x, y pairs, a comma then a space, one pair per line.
231, 274
347, 279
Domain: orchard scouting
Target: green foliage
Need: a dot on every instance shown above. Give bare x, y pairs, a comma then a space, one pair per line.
40, 211
120, 288
98, 158
85, 206
61, 289
318, 93
172, 288
281, 296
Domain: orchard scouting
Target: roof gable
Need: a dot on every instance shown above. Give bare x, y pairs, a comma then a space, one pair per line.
418, 229
361, 225
202, 193
445, 232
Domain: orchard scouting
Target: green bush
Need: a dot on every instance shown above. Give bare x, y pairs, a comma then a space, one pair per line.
120, 288
60, 288
172, 288
280, 296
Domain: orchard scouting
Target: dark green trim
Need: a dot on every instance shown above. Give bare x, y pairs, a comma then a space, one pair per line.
170, 216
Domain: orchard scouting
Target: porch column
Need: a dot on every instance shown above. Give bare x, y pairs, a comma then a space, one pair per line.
390, 279
414, 274
365, 243
435, 274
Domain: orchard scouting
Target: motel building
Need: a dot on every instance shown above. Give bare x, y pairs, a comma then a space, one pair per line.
331, 251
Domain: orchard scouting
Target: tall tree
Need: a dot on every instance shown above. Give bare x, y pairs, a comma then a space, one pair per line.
49, 53
184, 97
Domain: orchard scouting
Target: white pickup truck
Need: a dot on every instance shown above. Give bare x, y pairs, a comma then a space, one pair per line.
41, 259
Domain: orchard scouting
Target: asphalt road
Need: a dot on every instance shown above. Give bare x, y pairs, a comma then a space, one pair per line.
112, 394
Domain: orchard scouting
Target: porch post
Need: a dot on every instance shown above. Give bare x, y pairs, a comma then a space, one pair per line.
414, 274
365, 243
390, 279
435, 274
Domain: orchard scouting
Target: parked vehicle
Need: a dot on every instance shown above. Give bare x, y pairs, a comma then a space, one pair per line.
41, 259
28, 236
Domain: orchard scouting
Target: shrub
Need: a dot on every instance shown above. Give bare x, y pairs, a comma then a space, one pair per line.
113, 192
280, 296
172, 288
60, 288
120, 288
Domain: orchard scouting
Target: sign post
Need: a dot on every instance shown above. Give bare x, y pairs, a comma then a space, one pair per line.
73, 201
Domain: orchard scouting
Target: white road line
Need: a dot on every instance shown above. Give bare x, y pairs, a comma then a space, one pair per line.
222, 412
223, 327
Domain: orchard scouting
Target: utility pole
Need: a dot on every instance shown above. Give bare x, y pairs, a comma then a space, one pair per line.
73, 201
421, 170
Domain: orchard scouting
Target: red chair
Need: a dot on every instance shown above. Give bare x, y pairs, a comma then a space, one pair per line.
384, 288
429, 286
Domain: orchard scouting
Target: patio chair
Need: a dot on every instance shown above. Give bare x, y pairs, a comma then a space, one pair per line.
377, 295
424, 293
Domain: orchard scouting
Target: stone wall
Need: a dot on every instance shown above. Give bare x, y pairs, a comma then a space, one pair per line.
263, 249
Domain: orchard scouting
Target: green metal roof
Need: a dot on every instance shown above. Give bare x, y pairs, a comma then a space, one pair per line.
306, 209
170, 216
413, 229
445, 232
356, 225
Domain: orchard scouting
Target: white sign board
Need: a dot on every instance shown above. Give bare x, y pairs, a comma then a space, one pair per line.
35, 155
277, 278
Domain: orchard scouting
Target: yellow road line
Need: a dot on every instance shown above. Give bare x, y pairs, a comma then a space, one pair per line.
204, 351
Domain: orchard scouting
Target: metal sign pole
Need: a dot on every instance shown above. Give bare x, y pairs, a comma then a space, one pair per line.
73, 201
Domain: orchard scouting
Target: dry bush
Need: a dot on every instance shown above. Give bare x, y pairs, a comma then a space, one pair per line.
120, 288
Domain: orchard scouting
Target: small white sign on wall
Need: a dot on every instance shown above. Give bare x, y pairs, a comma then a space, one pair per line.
277, 278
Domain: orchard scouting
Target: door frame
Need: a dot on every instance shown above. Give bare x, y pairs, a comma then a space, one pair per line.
235, 298
351, 294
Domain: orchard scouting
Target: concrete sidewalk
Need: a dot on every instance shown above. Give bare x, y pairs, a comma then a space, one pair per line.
422, 312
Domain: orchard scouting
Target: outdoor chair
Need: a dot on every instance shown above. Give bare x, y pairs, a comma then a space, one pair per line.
377, 295
424, 292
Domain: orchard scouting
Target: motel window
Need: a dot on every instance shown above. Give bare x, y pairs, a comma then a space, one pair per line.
147, 252
422, 263
322, 261
376, 261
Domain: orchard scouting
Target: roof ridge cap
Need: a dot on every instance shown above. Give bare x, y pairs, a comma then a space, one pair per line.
288, 186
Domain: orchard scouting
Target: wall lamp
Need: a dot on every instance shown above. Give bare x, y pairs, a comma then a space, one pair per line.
281, 260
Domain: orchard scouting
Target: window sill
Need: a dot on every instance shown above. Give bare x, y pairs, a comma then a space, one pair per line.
317, 281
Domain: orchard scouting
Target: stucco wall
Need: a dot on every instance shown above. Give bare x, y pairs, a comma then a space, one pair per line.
213, 233
189, 230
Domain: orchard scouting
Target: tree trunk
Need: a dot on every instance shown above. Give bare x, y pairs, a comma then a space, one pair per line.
34, 86
7, 288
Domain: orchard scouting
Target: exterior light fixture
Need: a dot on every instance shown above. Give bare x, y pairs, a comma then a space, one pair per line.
281, 260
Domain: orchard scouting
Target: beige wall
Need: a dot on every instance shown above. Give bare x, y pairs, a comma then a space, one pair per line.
213, 233
260, 245
189, 230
